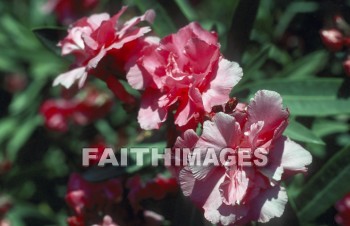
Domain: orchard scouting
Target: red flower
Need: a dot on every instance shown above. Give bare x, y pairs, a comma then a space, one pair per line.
82, 110
332, 39
87, 198
343, 207
101, 146
69, 10
103, 46
186, 72
157, 189
232, 193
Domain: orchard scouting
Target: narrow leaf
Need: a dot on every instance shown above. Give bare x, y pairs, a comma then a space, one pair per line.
24, 100
312, 97
163, 24
299, 132
255, 63
49, 37
240, 29
325, 188
323, 127
305, 66
21, 136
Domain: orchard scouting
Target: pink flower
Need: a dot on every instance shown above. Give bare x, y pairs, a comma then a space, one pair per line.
103, 46
232, 193
184, 72
87, 198
343, 207
107, 221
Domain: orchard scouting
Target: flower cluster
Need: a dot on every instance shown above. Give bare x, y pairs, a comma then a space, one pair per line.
343, 207
233, 193
338, 38
104, 47
85, 108
106, 198
185, 72
185, 80
86, 198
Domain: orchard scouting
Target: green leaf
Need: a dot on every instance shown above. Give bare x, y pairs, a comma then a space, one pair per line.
187, 10
293, 9
240, 28
317, 150
163, 24
254, 64
21, 135
325, 127
312, 97
49, 37
325, 188
13, 28
24, 100
7, 127
306, 66
299, 132
107, 131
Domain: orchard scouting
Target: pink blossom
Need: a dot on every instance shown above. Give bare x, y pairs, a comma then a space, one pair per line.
103, 46
236, 194
87, 198
107, 221
184, 72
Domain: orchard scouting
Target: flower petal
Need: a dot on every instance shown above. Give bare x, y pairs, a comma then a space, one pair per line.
269, 204
189, 108
286, 155
151, 115
227, 76
148, 16
95, 20
235, 186
67, 79
266, 106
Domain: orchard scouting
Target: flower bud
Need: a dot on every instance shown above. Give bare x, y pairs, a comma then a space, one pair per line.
332, 39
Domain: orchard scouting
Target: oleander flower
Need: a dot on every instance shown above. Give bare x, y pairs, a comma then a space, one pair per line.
343, 207
184, 72
88, 106
86, 199
107, 221
231, 192
104, 47
332, 39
